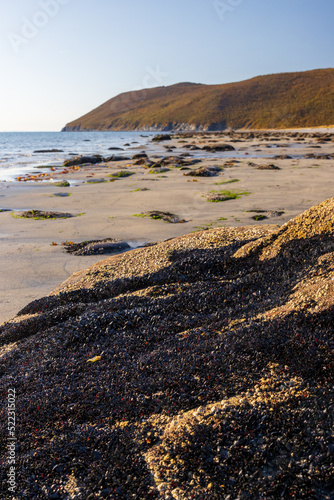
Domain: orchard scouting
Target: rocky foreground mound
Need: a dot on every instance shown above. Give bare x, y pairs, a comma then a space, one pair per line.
196, 368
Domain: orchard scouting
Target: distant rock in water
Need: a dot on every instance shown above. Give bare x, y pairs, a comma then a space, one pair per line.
49, 151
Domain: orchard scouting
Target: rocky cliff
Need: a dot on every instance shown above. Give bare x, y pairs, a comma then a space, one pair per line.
283, 100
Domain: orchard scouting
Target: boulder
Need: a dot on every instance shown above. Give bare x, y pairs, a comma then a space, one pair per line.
162, 137
49, 151
138, 156
117, 158
218, 147
97, 247
81, 160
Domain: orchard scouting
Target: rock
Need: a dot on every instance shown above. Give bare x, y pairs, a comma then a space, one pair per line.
95, 181
122, 173
161, 137
141, 161
192, 147
204, 172
138, 156
267, 167
318, 157
81, 160
115, 149
117, 158
49, 151
97, 247
218, 147
62, 184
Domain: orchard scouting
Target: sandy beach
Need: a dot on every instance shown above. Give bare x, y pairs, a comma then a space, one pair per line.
33, 257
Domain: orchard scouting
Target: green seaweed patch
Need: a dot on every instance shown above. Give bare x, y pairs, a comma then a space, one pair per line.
62, 184
158, 170
122, 173
41, 215
224, 195
259, 217
165, 216
140, 189
222, 218
230, 181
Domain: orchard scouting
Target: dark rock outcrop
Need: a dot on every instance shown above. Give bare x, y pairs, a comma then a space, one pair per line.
81, 160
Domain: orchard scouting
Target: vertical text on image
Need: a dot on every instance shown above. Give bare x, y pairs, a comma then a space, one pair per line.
11, 444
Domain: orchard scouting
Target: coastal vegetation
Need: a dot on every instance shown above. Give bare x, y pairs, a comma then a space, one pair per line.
284, 100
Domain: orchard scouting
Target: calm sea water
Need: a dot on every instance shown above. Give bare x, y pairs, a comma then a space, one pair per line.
17, 148
17, 154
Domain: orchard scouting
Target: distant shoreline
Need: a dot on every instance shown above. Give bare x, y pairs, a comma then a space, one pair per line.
276, 101
318, 128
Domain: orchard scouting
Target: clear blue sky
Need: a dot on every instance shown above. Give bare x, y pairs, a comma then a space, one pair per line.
62, 58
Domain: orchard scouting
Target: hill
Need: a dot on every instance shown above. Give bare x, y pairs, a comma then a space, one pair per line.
199, 367
304, 99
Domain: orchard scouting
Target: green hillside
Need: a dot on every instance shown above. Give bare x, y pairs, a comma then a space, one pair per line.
282, 100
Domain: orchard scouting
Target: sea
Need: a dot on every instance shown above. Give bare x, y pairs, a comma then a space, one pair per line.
18, 149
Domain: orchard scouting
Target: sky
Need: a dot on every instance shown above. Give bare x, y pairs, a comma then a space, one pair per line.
62, 58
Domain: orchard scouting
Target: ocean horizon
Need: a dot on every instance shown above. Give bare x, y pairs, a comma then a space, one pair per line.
18, 149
